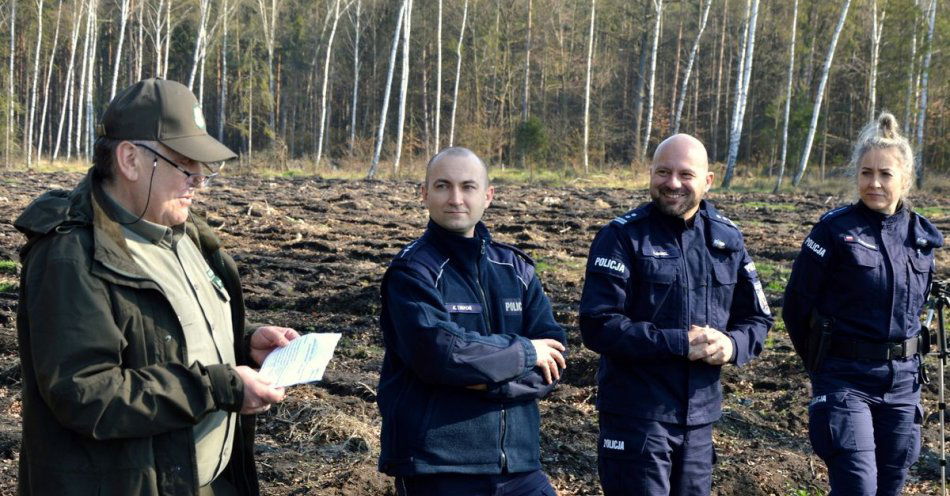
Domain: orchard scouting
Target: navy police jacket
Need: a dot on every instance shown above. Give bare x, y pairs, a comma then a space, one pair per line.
649, 277
867, 271
459, 312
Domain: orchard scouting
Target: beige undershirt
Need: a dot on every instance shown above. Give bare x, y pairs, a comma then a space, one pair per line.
200, 301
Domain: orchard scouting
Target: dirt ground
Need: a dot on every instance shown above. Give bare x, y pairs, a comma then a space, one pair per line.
312, 253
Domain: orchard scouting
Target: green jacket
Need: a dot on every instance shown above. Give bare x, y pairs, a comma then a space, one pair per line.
109, 400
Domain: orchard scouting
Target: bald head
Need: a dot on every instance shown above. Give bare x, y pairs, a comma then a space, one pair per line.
456, 152
682, 147
679, 176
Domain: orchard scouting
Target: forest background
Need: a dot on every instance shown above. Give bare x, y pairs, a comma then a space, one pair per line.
545, 86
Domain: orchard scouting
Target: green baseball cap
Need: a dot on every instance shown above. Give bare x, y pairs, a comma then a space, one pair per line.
166, 112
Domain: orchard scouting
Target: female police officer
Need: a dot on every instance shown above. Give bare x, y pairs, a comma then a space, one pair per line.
852, 308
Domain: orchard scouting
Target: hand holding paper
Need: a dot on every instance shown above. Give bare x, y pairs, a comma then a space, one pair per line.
302, 360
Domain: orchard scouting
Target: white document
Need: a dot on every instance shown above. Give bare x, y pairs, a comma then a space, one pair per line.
301, 361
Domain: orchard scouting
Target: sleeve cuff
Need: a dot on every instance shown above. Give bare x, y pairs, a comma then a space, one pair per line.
530, 355
678, 341
739, 355
227, 389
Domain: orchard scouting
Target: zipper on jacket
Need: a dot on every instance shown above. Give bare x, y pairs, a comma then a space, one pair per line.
478, 283
504, 429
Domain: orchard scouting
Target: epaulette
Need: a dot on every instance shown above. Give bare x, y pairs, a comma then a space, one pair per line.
641, 212
718, 217
518, 251
831, 214
924, 233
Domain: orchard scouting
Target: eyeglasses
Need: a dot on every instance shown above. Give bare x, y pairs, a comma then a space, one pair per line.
194, 180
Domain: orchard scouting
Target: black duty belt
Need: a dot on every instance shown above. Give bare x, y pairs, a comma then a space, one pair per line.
857, 349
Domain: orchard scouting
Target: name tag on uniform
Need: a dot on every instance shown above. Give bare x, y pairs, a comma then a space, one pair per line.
464, 307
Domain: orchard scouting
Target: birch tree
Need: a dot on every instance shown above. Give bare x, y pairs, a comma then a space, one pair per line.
204, 11
326, 78
458, 74
438, 78
356, 74
788, 99
826, 69
223, 95
268, 11
117, 60
140, 46
742, 95
877, 29
590, 56
404, 86
651, 87
90, 110
922, 113
381, 130
909, 101
66, 111
11, 91
81, 96
689, 68
49, 76
722, 45
35, 83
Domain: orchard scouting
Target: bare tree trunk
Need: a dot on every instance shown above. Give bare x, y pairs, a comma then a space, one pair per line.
922, 113
658, 9
269, 24
90, 110
35, 84
676, 69
11, 93
66, 112
877, 29
403, 87
638, 90
438, 80
590, 57
527, 65
810, 138
49, 76
689, 67
168, 37
117, 60
722, 46
140, 48
223, 97
380, 133
788, 99
909, 102
458, 75
742, 94
204, 12
356, 75
326, 78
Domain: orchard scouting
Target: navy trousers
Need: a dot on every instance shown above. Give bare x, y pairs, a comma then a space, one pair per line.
639, 456
519, 484
864, 423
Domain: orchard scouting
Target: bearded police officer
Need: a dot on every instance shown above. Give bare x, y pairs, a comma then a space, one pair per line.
471, 344
671, 295
135, 354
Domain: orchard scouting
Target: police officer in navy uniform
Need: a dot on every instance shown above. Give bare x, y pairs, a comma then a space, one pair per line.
852, 308
471, 345
671, 295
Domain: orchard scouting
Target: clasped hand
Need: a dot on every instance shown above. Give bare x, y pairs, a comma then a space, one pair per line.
709, 345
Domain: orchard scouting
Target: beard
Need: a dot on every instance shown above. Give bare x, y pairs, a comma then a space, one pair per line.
675, 207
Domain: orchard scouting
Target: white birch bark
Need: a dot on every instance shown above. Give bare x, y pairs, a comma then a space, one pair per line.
689, 67
197, 56
651, 87
788, 99
458, 75
76, 139
269, 24
590, 56
742, 81
438, 80
140, 46
66, 113
356, 74
810, 138
11, 92
90, 110
35, 83
168, 38
403, 87
877, 29
925, 76
49, 75
326, 78
380, 132
117, 61
223, 96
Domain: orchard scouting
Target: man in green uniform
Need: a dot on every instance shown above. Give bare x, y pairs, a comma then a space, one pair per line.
136, 358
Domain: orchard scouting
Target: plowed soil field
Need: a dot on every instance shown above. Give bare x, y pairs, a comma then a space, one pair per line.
312, 253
